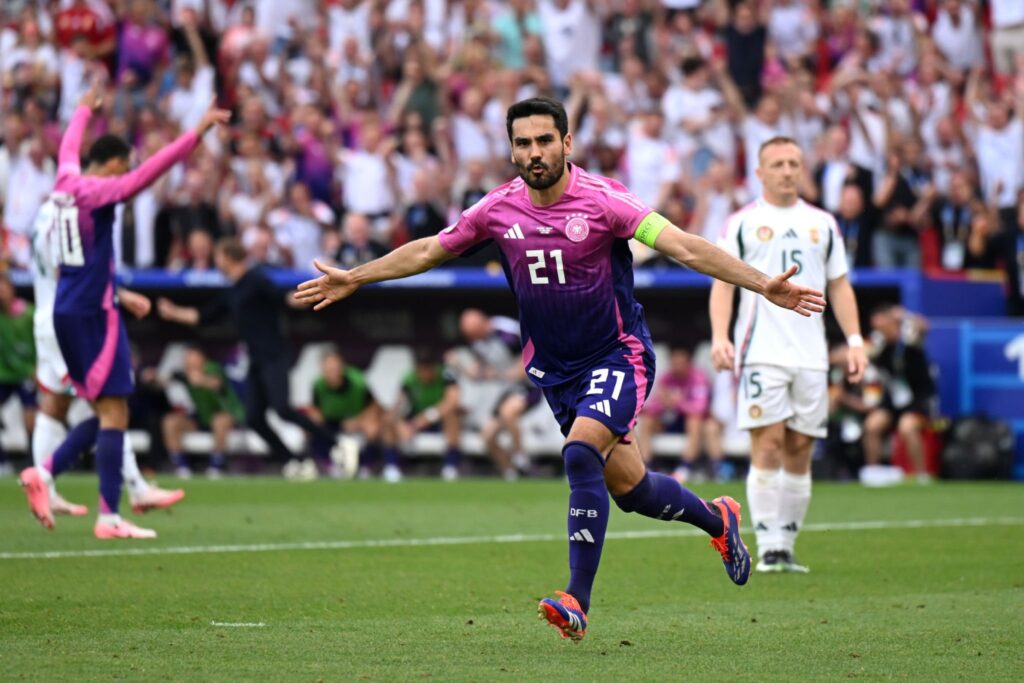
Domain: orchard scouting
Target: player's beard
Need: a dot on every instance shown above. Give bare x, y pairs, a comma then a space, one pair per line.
547, 178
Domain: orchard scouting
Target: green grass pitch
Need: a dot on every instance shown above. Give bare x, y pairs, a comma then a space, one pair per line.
258, 579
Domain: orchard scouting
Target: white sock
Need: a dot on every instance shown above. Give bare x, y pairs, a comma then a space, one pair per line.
133, 479
793, 503
763, 502
47, 436
109, 519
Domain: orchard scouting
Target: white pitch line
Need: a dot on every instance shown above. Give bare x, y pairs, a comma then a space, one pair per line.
241, 624
474, 540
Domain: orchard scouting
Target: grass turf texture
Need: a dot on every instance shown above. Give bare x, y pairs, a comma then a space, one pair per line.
930, 603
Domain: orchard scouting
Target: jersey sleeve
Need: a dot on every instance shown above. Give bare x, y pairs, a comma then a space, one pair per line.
730, 239
468, 231
103, 191
625, 211
836, 264
69, 162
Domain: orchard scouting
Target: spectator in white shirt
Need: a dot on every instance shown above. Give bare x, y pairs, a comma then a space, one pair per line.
696, 115
571, 36
1007, 35
652, 163
957, 35
32, 177
299, 226
793, 28
368, 179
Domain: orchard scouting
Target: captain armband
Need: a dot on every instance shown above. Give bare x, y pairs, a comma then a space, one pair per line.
650, 227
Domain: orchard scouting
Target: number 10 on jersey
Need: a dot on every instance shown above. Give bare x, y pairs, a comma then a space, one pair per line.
71, 253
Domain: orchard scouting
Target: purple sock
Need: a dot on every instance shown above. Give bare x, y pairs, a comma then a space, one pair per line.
78, 441
662, 497
391, 456
588, 517
109, 458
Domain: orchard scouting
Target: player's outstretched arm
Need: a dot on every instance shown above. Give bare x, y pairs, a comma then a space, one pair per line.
700, 255
336, 284
120, 188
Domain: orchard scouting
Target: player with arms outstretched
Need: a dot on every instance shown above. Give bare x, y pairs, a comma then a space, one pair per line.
89, 329
783, 361
56, 392
563, 237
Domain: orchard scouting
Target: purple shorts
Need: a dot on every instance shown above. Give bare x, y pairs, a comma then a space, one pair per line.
612, 392
95, 348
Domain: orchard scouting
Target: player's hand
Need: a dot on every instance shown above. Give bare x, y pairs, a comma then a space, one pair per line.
135, 303
804, 300
334, 285
212, 117
856, 363
93, 97
723, 354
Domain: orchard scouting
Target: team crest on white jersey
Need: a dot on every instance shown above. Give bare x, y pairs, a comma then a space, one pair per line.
764, 233
815, 235
576, 227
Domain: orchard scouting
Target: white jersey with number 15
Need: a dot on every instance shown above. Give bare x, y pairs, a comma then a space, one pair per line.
771, 239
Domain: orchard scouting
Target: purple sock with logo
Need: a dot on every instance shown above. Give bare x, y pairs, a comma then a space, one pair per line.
662, 497
588, 517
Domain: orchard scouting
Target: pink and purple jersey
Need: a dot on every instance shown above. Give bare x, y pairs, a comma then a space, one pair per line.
570, 267
85, 217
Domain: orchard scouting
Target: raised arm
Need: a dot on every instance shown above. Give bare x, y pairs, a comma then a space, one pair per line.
120, 188
335, 284
70, 153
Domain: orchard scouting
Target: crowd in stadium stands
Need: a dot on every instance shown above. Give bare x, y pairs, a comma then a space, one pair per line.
361, 124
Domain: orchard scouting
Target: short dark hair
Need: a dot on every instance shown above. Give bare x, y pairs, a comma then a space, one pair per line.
538, 106
108, 147
777, 140
232, 248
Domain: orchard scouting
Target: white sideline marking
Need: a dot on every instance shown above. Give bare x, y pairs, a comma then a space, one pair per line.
473, 540
241, 624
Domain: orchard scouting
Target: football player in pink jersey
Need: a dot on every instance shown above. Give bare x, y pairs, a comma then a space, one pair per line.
563, 235
86, 317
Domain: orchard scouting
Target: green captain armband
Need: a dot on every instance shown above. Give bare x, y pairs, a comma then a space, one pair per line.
650, 227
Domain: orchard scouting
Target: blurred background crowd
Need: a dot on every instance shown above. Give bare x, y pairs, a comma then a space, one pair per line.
360, 124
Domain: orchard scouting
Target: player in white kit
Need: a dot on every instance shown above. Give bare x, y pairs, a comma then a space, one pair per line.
56, 391
782, 360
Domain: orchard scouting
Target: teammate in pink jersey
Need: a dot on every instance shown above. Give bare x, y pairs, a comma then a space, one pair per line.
563, 233
86, 319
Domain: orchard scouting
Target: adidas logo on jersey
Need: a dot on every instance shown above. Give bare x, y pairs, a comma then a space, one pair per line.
603, 407
790, 235
582, 536
514, 233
